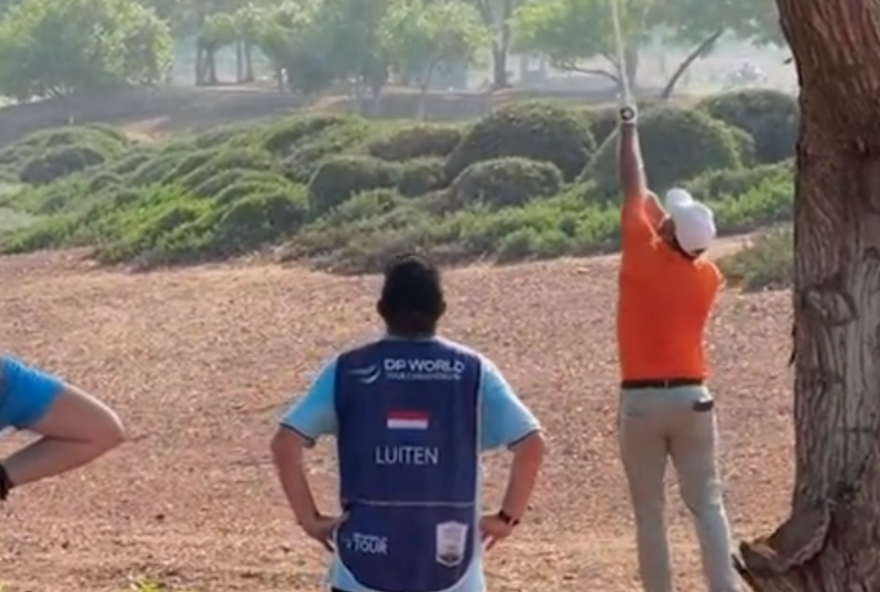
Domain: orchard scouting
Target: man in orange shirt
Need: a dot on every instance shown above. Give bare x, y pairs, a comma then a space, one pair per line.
667, 290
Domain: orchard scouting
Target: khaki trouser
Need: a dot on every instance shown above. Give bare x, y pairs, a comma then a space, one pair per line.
656, 424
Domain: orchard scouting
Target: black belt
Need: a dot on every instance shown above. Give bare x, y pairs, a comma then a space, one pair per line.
660, 383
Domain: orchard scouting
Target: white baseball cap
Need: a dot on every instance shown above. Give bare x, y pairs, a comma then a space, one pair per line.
694, 222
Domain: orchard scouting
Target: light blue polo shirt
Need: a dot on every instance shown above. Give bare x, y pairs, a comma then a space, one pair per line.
504, 421
26, 394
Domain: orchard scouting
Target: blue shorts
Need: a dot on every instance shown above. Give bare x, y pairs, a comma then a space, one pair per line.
26, 393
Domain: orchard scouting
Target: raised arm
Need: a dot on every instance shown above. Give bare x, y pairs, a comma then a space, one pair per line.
630, 167
641, 208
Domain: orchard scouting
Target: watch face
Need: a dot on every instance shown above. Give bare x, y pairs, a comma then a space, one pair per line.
627, 113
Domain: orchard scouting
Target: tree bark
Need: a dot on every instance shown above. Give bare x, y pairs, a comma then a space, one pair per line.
831, 541
499, 66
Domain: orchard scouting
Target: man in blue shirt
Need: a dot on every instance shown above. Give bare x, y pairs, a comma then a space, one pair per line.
411, 414
75, 427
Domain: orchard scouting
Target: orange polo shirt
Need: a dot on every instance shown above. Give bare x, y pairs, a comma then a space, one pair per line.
664, 302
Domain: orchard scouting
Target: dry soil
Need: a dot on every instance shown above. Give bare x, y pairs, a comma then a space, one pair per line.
199, 362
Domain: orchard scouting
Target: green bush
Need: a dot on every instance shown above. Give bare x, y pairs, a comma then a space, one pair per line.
259, 219
231, 136
337, 179
217, 185
417, 141
286, 136
331, 141
603, 123
505, 182
603, 120
234, 190
534, 130
767, 263
769, 116
152, 170
130, 161
722, 183
745, 146
765, 204
421, 176
59, 162
187, 164
103, 180
225, 160
103, 138
677, 144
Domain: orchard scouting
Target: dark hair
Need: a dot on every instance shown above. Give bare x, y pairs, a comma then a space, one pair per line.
412, 297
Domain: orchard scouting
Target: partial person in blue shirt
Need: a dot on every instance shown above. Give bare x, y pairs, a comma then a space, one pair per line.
75, 428
411, 414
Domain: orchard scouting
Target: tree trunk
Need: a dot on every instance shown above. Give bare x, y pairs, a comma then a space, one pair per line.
211, 66
200, 68
699, 51
831, 541
239, 61
249, 62
499, 67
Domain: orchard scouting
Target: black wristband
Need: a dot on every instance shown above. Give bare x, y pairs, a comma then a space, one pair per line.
507, 518
5, 483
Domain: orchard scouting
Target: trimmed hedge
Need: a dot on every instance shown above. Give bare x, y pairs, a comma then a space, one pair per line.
340, 177
769, 116
416, 141
505, 182
677, 144
533, 130
344, 192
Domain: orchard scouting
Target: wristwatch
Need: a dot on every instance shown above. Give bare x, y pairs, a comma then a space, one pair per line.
507, 518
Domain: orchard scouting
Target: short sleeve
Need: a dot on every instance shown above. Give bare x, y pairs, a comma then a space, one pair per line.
635, 220
504, 418
314, 415
26, 393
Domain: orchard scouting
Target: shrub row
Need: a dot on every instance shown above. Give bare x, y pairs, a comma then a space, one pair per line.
527, 180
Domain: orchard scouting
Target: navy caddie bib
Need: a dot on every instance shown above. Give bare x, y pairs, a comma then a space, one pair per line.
408, 453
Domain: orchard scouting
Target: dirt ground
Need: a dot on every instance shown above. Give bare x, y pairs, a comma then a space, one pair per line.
199, 362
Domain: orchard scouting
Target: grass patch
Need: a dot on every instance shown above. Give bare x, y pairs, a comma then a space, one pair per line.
14, 220
767, 263
344, 193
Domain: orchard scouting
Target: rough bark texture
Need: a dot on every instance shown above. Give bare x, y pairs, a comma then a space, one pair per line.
831, 542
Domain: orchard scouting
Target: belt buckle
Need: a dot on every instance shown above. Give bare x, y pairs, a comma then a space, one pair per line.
667, 383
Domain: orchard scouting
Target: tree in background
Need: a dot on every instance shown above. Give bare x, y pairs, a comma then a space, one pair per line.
298, 39
53, 48
249, 21
831, 539
497, 17
569, 31
424, 36
217, 31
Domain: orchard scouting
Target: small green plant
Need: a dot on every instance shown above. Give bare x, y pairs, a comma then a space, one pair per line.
767, 263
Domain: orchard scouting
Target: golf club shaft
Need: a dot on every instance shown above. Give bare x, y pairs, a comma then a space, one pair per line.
626, 97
